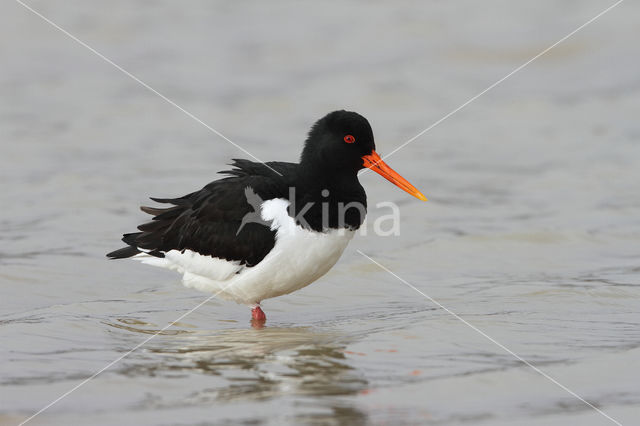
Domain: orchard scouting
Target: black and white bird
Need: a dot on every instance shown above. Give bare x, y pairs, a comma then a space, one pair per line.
267, 229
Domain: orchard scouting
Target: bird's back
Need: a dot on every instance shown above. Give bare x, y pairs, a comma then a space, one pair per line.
210, 221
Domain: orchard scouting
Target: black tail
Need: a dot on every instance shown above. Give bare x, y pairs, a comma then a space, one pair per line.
151, 236
123, 253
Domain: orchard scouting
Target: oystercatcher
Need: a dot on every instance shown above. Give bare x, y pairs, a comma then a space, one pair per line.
267, 229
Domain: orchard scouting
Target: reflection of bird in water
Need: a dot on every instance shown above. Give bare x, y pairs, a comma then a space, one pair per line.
274, 362
312, 210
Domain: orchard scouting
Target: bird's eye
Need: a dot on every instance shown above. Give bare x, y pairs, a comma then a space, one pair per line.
349, 139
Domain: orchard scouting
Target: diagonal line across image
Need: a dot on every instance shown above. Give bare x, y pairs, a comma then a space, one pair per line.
195, 118
514, 71
142, 83
494, 341
121, 357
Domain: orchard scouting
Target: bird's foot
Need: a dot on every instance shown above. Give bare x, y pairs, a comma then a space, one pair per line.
258, 318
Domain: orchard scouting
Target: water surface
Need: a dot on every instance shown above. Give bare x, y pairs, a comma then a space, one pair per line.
531, 233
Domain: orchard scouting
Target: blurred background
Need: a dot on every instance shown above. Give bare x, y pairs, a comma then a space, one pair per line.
531, 233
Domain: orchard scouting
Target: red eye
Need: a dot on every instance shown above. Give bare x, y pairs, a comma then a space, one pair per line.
349, 139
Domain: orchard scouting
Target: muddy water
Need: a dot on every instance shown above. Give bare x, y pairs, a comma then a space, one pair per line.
531, 233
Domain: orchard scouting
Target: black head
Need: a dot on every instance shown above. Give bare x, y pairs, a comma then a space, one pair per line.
341, 143
338, 141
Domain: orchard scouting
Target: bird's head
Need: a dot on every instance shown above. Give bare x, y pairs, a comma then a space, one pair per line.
342, 142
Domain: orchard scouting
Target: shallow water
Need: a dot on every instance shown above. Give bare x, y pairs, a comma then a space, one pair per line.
531, 233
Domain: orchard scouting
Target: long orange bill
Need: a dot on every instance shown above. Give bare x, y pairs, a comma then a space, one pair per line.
375, 163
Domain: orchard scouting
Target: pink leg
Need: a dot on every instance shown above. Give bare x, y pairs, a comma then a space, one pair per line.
258, 318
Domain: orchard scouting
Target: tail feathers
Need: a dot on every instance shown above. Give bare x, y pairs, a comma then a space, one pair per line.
175, 201
132, 238
135, 240
163, 213
130, 250
153, 211
150, 239
153, 226
123, 253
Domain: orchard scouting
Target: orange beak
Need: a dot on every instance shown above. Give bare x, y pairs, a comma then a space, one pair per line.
375, 163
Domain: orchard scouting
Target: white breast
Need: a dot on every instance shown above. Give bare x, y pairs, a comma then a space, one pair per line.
298, 258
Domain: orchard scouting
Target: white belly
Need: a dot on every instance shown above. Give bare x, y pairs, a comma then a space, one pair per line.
298, 258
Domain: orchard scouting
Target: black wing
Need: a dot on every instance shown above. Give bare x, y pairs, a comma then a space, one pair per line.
207, 221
